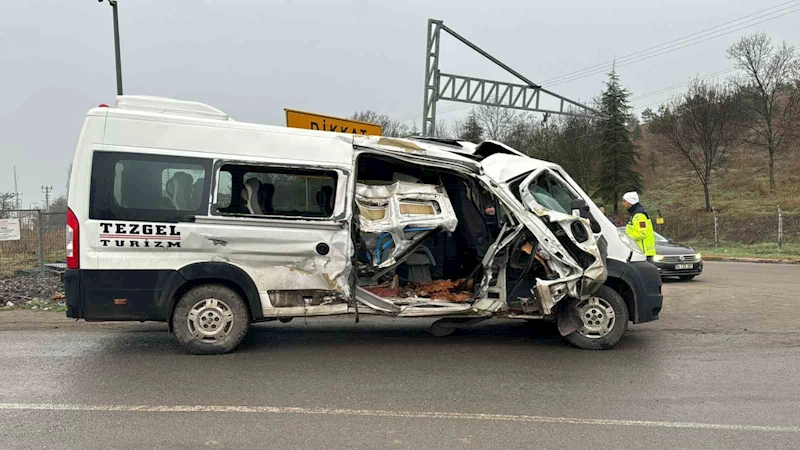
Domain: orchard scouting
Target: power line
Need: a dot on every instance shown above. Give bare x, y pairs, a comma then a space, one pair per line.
672, 49
766, 15
677, 41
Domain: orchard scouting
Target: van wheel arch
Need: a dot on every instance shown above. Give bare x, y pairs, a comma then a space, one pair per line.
225, 274
624, 290
618, 280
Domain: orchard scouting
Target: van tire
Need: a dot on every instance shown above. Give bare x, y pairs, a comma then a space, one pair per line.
596, 306
220, 320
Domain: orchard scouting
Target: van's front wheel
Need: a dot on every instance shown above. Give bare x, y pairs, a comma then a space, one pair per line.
598, 321
210, 319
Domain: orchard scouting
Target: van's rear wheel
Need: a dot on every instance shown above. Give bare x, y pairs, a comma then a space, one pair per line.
210, 319
600, 320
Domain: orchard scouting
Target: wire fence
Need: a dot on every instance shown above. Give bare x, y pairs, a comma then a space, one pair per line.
32, 241
779, 228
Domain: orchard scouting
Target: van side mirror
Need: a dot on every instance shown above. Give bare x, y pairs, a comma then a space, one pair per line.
579, 204
583, 208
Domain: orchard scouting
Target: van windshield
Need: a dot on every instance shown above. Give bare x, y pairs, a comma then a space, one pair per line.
551, 193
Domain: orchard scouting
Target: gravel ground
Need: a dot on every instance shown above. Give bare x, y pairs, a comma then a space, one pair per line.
32, 291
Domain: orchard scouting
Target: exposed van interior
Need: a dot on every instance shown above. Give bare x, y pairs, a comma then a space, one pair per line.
447, 223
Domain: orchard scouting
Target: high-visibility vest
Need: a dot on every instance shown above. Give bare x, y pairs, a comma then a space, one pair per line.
640, 229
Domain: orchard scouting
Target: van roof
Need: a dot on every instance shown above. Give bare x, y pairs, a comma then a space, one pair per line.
246, 139
504, 167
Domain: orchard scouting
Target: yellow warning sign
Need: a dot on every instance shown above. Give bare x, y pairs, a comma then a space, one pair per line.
659, 221
311, 121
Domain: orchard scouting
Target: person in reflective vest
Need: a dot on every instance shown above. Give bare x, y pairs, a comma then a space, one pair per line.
639, 227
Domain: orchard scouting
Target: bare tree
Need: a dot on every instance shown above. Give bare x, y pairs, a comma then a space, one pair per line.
443, 130
702, 127
391, 128
7, 202
521, 133
494, 121
58, 205
770, 100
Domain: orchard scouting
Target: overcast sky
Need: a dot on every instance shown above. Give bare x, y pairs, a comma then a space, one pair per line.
253, 58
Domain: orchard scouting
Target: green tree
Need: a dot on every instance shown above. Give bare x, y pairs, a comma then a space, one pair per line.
648, 115
471, 130
617, 167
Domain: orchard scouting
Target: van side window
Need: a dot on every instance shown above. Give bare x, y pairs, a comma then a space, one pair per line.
275, 191
147, 188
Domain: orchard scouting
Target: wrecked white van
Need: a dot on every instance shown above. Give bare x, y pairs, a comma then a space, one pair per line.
179, 214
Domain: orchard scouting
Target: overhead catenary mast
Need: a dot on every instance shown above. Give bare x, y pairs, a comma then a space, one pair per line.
478, 91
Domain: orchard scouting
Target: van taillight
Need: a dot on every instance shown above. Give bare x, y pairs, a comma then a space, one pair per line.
73, 247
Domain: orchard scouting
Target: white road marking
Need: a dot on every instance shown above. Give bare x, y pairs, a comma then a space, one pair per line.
396, 414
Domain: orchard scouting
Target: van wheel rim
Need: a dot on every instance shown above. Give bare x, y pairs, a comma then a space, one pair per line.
597, 316
210, 320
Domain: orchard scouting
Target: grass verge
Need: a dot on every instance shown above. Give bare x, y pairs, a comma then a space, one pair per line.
763, 250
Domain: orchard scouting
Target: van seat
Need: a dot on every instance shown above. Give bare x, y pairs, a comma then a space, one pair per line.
197, 192
179, 191
324, 200
265, 194
250, 196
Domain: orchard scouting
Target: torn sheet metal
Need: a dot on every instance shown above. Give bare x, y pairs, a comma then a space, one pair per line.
391, 215
504, 238
580, 281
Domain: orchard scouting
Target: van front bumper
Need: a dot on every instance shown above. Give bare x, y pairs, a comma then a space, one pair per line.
669, 270
641, 288
646, 285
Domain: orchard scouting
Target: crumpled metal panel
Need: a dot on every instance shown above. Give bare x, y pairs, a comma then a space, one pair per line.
397, 208
572, 276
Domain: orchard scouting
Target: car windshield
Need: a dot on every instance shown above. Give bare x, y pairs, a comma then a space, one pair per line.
659, 238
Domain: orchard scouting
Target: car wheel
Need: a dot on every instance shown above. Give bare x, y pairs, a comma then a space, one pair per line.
687, 277
210, 319
601, 320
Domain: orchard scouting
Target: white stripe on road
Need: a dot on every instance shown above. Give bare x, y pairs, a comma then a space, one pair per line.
396, 414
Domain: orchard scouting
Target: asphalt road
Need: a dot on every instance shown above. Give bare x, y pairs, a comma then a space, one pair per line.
719, 370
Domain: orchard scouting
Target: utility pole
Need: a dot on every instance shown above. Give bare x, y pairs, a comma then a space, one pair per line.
47, 190
113, 4
16, 190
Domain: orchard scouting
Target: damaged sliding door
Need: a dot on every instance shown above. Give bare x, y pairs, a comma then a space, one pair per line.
288, 227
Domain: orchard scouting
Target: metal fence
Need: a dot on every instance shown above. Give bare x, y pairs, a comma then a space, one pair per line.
41, 245
778, 228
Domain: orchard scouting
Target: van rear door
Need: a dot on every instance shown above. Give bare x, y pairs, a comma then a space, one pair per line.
141, 209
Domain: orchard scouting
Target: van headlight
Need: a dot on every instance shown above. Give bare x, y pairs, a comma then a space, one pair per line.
629, 242
658, 258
